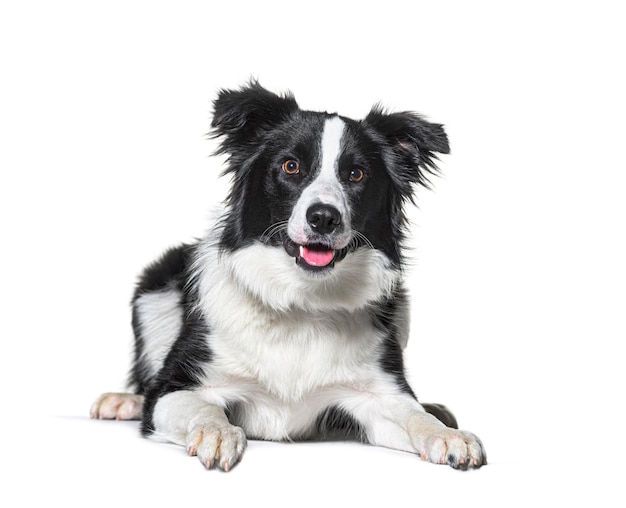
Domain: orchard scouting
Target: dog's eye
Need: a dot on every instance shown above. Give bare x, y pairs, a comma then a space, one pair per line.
356, 175
291, 167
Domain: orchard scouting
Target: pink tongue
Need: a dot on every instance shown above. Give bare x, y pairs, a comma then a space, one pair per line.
316, 257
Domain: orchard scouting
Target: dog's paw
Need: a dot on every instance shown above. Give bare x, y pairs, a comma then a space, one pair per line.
439, 444
117, 406
220, 446
457, 448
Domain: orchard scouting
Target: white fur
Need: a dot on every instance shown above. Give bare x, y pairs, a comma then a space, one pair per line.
160, 319
272, 277
325, 189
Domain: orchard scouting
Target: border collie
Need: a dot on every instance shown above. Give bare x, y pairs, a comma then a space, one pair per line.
289, 320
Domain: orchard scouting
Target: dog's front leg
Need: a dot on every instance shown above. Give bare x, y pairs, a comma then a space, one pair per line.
401, 423
183, 417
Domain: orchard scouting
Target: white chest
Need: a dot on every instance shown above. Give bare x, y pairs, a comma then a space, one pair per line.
282, 373
292, 354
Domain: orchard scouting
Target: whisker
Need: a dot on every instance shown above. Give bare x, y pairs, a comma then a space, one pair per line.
272, 230
359, 239
269, 233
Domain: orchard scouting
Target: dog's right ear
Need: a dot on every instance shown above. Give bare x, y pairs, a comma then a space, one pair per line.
242, 116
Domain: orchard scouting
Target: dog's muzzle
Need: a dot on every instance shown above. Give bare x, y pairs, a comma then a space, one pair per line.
319, 254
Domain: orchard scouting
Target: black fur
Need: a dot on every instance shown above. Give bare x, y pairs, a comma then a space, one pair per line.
336, 423
386, 319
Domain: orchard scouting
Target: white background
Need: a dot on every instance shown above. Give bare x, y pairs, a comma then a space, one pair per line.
518, 282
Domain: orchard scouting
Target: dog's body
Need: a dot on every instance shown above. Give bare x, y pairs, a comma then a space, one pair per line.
235, 339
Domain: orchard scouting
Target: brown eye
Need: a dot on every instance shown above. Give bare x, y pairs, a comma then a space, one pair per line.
291, 167
356, 175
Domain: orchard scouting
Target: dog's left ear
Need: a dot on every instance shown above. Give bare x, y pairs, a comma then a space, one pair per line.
242, 116
413, 140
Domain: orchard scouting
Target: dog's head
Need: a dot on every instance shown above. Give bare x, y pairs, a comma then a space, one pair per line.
320, 185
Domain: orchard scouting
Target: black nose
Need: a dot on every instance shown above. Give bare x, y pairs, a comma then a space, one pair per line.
323, 219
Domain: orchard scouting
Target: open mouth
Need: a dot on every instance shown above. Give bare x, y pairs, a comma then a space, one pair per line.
313, 257
317, 256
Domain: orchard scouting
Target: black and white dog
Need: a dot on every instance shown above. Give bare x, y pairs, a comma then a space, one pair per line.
289, 319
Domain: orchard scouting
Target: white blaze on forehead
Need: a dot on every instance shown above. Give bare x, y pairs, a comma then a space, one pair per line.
331, 147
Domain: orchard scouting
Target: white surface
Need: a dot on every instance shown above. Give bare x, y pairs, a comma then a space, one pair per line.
518, 284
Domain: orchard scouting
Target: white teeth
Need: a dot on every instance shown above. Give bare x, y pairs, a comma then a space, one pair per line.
301, 251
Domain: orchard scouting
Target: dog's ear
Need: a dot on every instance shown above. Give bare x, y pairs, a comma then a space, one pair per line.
242, 116
414, 142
